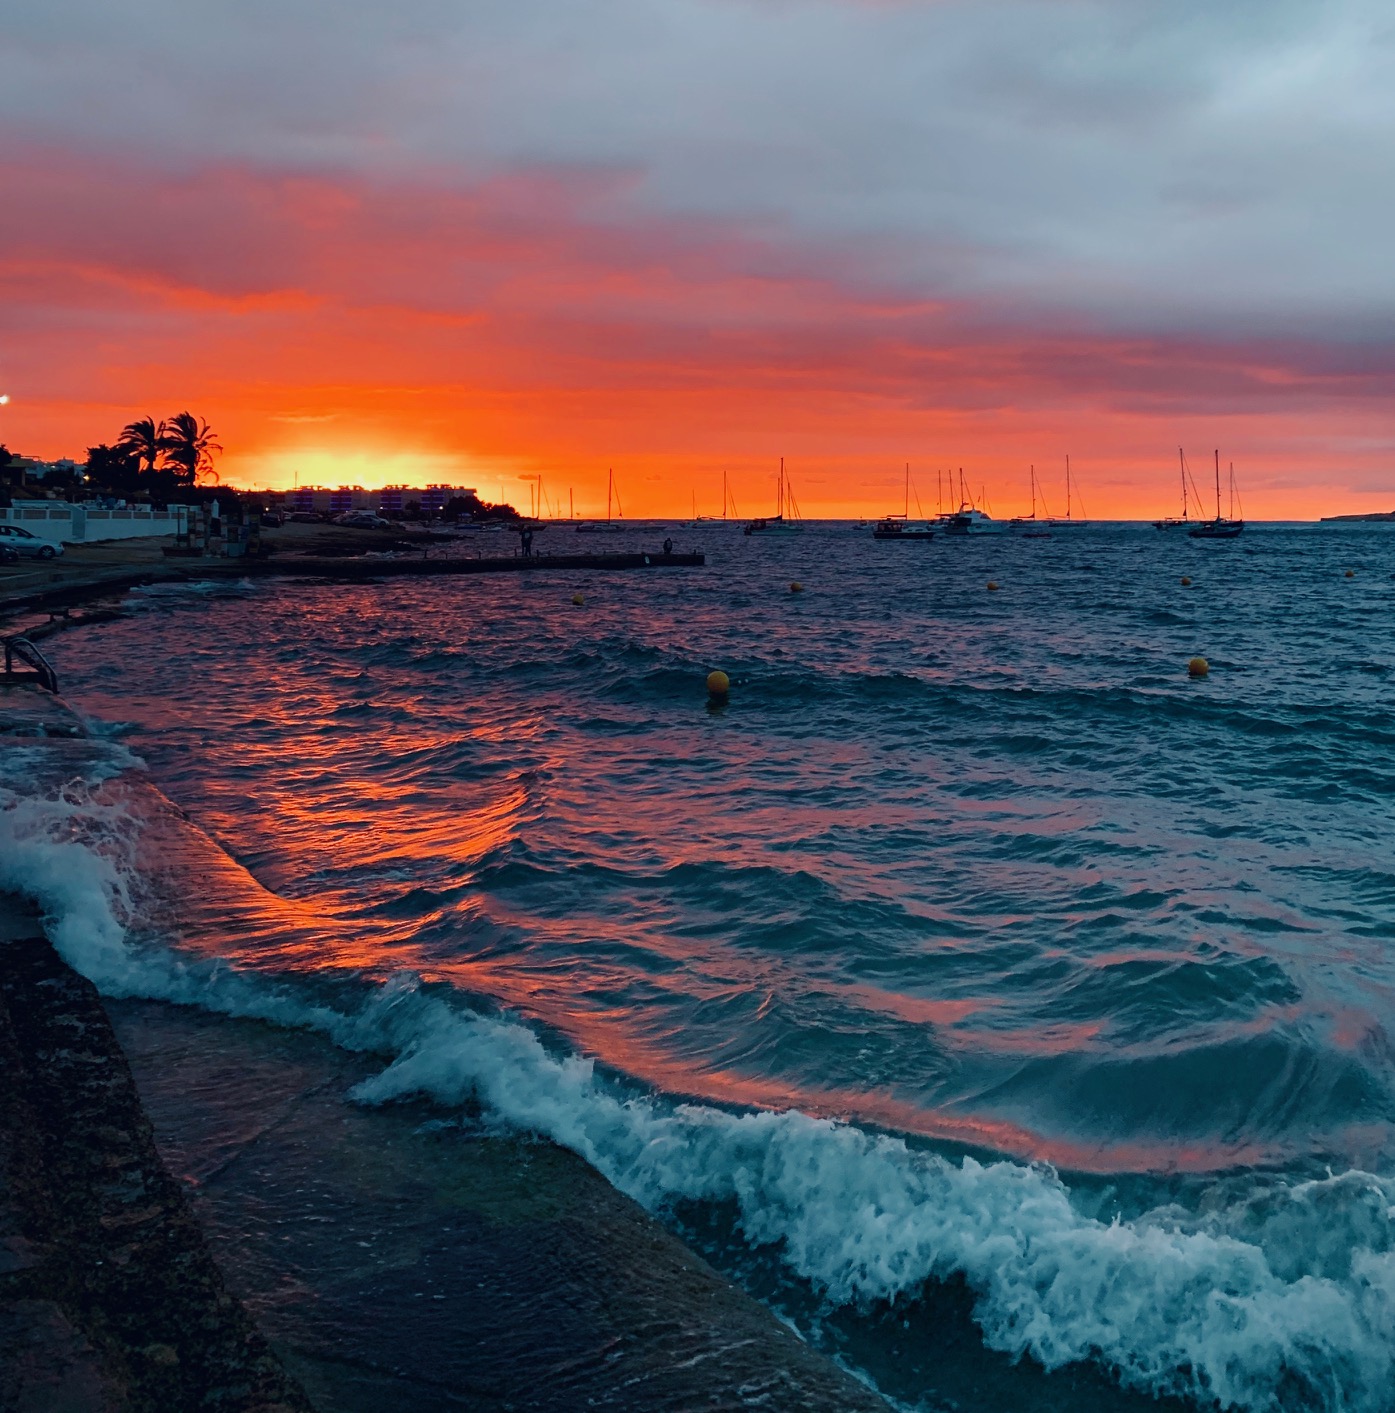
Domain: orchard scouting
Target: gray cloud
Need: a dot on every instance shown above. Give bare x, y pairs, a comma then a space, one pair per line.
1167, 166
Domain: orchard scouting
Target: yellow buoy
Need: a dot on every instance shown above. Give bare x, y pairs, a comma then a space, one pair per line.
992, 584
718, 684
1186, 582
1198, 667
578, 600
1351, 574
796, 587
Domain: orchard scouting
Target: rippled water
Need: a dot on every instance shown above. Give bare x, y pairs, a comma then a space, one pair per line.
980, 870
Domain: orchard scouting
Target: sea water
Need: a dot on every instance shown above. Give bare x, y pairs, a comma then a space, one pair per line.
970, 939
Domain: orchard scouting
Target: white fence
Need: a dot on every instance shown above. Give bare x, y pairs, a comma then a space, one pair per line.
72, 524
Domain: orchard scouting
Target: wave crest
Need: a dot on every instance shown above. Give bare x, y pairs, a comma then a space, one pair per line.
1283, 1300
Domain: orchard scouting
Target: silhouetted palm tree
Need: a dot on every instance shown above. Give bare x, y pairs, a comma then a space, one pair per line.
188, 446
143, 440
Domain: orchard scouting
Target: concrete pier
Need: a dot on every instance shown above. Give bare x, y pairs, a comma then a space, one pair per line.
409, 566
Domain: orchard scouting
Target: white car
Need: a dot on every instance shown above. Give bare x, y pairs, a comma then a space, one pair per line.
26, 542
362, 520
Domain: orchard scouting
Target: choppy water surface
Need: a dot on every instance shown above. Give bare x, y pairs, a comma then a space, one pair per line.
982, 874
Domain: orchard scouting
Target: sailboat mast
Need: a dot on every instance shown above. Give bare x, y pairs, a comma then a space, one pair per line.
1033, 474
1067, 487
609, 488
908, 491
1218, 483
1182, 470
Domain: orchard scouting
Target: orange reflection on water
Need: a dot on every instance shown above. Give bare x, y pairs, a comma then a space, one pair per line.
1057, 1038
918, 1010
614, 1037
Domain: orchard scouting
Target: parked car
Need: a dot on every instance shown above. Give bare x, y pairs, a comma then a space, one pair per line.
363, 520
305, 517
26, 542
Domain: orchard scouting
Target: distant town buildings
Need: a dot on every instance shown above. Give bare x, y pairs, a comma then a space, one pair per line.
390, 501
34, 470
65, 477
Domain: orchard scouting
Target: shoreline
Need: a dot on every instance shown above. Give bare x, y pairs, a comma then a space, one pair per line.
106, 569
176, 1056
461, 1266
124, 1289
110, 1299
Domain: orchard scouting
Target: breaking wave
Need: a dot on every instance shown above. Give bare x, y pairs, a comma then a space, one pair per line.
1282, 1296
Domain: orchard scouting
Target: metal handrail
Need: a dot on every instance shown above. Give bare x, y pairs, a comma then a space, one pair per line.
41, 669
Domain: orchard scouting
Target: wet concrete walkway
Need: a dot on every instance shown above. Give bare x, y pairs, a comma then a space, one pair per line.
397, 1262
110, 1301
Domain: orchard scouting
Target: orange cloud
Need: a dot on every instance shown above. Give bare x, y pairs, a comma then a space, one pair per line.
333, 328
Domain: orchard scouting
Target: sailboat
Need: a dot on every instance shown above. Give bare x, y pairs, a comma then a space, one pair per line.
786, 517
899, 527
1173, 522
606, 526
969, 519
1027, 525
1069, 522
1222, 527
727, 500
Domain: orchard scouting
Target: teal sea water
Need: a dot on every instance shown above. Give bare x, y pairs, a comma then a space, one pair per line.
970, 940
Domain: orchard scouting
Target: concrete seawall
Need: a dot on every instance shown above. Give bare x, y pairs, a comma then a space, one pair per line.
87, 572
110, 1301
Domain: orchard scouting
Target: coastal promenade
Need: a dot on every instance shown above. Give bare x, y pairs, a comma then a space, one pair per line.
86, 572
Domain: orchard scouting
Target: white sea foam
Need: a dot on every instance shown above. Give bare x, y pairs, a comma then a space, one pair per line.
190, 588
1284, 1301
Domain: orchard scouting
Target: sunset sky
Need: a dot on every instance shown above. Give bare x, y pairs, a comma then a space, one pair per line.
473, 242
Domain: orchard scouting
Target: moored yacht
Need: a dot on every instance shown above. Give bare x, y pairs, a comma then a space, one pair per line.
897, 527
1071, 522
1183, 521
606, 526
786, 517
970, 520
1223, 527
1028, 526
900, 527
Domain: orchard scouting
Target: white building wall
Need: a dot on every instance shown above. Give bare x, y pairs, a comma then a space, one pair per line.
86, 523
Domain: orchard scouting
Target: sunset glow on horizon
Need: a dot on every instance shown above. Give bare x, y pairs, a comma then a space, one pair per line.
536, 246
